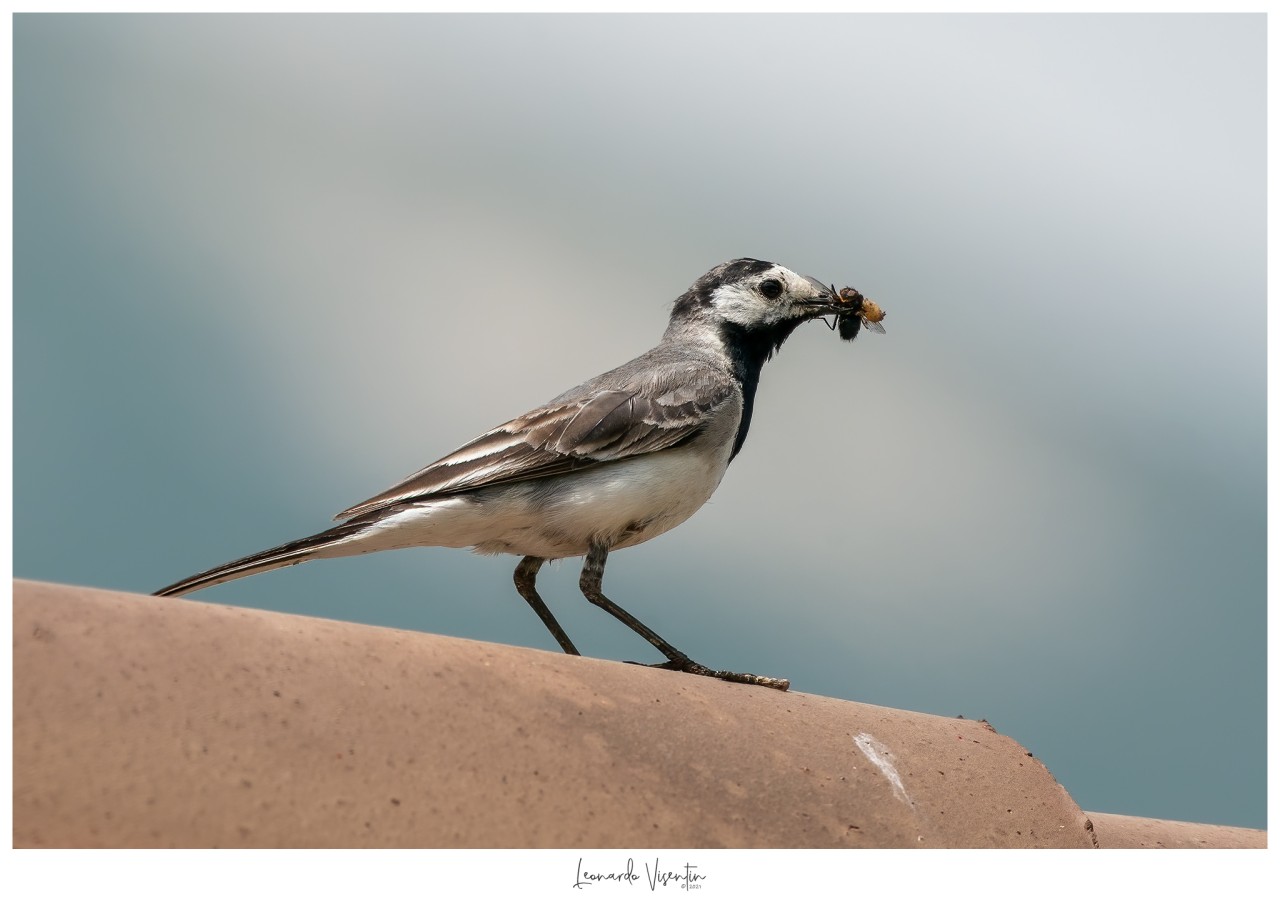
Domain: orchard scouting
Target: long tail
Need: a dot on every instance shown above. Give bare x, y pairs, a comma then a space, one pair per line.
318, 546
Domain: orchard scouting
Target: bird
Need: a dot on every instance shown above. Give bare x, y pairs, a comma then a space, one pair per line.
616, 461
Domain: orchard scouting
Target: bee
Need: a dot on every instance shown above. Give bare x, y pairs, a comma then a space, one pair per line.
859, 312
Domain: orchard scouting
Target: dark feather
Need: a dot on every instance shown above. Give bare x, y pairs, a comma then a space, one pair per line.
604, 426
277, 557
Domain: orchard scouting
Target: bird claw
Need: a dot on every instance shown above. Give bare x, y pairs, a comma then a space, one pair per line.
755, 680
689, 666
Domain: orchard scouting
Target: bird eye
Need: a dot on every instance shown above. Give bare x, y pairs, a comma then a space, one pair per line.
772, 289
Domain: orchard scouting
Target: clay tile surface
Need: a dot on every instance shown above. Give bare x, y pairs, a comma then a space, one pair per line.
1126, 832
141, 721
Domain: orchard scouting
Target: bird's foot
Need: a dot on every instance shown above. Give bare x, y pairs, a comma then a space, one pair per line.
689, 666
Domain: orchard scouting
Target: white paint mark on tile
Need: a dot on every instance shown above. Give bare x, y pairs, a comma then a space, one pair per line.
880, 756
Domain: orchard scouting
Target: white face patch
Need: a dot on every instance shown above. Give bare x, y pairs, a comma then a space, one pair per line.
745, 303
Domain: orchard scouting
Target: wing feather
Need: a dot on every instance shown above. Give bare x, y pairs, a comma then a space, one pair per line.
563, 436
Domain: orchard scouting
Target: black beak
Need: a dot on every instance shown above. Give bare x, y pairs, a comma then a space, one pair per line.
825, 298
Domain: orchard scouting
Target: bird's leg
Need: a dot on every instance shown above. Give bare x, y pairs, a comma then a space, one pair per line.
590, 583
526, 574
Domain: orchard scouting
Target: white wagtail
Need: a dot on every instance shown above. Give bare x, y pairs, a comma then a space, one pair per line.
610, 464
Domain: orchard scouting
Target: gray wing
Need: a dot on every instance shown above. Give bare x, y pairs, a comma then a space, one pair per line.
568, 434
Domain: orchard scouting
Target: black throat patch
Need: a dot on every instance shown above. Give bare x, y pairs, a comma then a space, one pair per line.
748, 350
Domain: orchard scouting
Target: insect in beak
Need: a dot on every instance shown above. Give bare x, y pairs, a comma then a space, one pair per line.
855, 312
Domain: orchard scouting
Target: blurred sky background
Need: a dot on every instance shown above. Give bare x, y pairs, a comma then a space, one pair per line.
266, 266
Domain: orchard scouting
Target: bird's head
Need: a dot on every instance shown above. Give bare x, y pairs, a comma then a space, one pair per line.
750, 303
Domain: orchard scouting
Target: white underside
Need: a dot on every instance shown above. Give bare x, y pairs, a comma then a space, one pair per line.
619, 504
